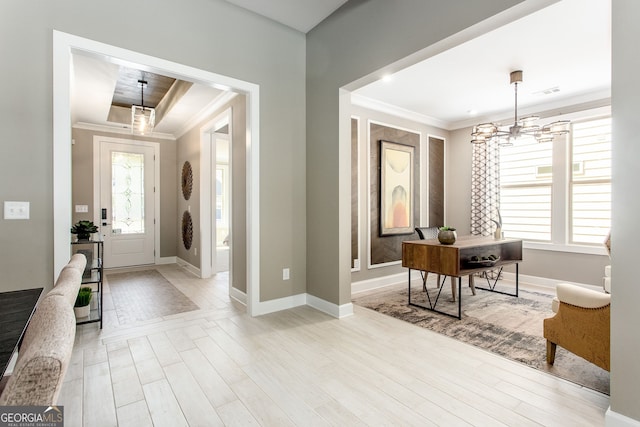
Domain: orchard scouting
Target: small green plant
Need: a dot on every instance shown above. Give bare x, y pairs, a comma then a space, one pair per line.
83, 229
84, 297
447, 229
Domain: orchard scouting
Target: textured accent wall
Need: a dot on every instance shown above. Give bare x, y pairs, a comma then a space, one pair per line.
389, 248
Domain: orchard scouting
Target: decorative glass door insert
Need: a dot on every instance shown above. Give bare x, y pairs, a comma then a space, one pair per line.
127, 193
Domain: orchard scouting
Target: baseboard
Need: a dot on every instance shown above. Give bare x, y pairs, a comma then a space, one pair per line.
381, 282
190, 268
614, 419
166, 260
238, 295
544, 282
338, 311
279, 304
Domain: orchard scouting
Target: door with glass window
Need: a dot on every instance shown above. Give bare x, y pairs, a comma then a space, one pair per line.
127, 204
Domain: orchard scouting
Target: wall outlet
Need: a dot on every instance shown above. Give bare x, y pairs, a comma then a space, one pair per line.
16, 210
285, 274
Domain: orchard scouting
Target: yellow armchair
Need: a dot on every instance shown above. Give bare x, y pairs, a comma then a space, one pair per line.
581, 324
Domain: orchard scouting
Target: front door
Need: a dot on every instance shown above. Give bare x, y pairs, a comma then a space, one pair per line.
127, 203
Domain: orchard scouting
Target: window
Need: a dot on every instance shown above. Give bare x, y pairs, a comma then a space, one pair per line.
559, 192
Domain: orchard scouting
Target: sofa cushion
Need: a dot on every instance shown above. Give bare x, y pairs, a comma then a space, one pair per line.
44, 355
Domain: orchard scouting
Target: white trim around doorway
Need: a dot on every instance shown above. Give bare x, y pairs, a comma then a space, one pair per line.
64, 45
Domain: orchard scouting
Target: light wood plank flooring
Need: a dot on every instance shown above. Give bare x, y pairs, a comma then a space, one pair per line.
218, 366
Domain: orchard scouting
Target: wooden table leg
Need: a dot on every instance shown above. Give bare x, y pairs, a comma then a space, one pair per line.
453, 288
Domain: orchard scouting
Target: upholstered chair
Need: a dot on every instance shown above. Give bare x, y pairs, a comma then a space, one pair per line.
581, 324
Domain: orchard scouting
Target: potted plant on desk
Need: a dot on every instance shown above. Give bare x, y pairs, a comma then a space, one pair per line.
447, 235
84, 229
83, 300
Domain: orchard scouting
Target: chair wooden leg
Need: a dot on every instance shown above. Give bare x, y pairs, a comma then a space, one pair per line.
438, 281
472, 284
425, 274
453, 288
551, 352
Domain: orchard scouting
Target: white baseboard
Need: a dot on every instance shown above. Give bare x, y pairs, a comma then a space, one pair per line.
189, 267
338, 311
614, 419
381, 282
166, 260
279, 304
544, 282
238, 295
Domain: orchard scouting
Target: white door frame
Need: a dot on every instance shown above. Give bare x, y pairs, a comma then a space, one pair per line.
207, 175
63, 46
156, 177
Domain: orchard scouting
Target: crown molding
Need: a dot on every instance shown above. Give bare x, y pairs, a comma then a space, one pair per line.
383, 107
207, 111
120, 130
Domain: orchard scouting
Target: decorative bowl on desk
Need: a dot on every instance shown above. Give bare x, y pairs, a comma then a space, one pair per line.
447, 235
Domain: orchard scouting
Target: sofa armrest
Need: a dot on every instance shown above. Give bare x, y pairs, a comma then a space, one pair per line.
582, 297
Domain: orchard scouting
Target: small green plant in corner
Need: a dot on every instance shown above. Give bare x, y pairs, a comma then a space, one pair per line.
84, 297
84, 229
447, 229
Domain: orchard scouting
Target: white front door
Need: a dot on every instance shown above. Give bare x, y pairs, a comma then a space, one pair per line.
127, 183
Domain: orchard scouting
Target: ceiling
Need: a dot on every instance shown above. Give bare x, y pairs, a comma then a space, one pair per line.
564, 51
301, 15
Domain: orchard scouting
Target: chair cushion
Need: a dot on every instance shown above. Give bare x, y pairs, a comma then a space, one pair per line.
607, 271
582, 297
427, 233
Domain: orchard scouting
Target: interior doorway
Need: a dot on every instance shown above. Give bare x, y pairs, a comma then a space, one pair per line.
64, 46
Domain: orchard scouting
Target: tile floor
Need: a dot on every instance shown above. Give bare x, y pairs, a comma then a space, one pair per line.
218, 366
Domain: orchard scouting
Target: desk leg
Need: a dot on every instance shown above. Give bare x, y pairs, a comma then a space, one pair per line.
517, 275
409, 286
459, 298
453, 289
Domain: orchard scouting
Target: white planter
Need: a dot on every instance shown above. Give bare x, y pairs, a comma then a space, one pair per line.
82, 311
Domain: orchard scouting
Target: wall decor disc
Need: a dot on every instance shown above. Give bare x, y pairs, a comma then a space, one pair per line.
187, 180
187, 230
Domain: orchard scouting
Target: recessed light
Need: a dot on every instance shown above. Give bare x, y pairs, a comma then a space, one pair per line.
387, 78
472, 112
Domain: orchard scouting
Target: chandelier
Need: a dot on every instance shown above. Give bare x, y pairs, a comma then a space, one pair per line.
142, 118
522, 127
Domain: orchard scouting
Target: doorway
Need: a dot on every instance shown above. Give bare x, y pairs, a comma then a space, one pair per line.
64, 46
126, 190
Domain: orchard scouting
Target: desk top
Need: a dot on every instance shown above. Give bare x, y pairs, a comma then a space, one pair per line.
456, 260
16, 308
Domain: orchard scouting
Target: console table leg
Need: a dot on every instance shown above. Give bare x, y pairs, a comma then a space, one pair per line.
453, 289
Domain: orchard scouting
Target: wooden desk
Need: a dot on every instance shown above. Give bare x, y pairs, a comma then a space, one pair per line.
456, 260
16, 309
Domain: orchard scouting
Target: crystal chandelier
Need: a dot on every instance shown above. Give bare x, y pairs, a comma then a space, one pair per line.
142, 118
522, 127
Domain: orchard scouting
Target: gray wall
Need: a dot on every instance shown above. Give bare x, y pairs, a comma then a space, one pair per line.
82, 182
360, 38
625, 234
211, 35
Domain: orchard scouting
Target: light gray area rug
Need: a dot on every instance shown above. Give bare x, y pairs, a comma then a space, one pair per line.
505, 325
144, 295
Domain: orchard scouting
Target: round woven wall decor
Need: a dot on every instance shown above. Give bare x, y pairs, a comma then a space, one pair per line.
187, 180
187, 230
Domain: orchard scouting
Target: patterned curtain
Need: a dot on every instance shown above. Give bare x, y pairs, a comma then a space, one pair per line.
485, 188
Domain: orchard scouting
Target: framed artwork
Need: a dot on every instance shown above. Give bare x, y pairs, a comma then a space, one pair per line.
396, 188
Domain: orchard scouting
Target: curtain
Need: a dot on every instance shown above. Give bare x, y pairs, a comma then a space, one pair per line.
485, 188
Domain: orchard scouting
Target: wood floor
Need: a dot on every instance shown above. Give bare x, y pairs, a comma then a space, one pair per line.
218, 366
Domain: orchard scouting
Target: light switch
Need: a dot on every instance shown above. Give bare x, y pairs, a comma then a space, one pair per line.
82, 208
16, 210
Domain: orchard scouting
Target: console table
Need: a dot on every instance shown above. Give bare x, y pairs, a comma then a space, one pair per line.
16, 309
463, 258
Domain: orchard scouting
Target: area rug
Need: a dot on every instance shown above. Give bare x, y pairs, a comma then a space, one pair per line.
144, 295
505, 325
